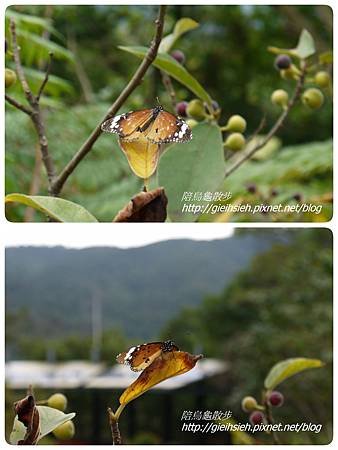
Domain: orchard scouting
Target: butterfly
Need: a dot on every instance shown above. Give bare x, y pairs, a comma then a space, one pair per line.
156, 125
141, 356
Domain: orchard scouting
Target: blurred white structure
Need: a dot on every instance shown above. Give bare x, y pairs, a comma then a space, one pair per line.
67, 375
76, 374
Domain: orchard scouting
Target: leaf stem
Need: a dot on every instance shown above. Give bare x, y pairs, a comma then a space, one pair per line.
119, 411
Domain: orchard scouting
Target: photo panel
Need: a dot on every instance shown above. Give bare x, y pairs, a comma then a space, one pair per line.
178, 113
184, 340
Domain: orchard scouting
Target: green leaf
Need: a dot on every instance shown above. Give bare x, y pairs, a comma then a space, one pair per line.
195, 166
45, 44
305, 46
326, 58
54, 207
174, 69
287, 368
35, 21
182, 26
50, 419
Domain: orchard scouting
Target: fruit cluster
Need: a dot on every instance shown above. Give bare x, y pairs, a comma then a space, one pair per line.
258, 413
312, 97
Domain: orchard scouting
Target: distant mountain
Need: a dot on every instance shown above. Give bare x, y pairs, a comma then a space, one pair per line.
139, 289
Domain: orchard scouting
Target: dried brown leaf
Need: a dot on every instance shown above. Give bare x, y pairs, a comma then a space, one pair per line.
28, 414
145, 207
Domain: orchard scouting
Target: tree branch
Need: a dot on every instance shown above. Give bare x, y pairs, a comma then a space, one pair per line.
271, 421
45, 80
114, 426
18, 105
35, 112
58, 183
245, 155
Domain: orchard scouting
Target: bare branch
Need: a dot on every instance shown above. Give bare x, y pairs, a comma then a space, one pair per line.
260, 127
114, 426
137, 78
35, 112
18, 105
245, 155
271, 421
19, 70
45, 80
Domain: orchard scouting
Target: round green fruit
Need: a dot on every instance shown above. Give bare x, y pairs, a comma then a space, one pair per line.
235, 141
249, 404
195, 109
10, 78
313, 98
65, 431
280, 97
192, 123
322, 79
236, 123
57, 401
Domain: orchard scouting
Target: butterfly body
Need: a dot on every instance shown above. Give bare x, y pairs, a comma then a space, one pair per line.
156, 125
141, 356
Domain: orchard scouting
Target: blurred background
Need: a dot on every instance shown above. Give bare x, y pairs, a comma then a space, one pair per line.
246, 302
227, 54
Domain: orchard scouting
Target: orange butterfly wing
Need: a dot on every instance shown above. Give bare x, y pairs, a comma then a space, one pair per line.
161, 129
141, 356
128, 125
169, 128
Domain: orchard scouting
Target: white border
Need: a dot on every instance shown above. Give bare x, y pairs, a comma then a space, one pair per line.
76, 233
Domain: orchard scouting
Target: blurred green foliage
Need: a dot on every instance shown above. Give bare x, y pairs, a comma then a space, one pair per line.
280, 307
232, 65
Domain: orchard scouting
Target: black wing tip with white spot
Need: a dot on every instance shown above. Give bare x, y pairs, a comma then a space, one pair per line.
112, 125
181, 135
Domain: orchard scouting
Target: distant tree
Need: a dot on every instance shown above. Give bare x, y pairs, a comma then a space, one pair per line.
280, 307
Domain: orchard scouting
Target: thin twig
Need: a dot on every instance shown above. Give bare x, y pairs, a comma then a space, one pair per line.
137, 78
45, 80
260, 127
18, 105
35, 106
245, 155
82, 76
166, 80
114, 426
271, 421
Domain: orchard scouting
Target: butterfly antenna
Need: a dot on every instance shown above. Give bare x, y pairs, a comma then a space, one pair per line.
158, 101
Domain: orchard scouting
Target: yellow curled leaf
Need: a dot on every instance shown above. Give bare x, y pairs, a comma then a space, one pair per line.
166, 366
142, 156
288, 368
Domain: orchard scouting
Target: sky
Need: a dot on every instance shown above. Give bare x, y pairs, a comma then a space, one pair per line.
112, 235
